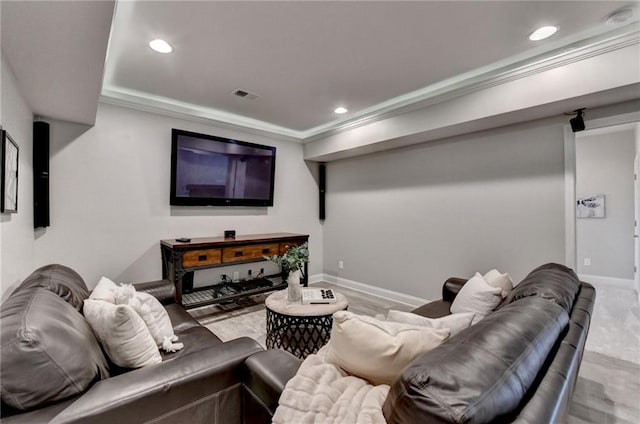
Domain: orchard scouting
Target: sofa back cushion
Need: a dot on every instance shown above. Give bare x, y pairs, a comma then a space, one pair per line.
482, 373
48, 351
61, 280
553, 282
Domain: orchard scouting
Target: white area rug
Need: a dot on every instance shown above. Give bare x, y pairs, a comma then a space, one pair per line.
246, 319
252, 324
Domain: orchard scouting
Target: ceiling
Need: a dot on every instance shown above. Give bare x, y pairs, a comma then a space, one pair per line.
302, 59
57, 52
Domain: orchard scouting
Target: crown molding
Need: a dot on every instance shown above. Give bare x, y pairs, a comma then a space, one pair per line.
175, 109
458, 86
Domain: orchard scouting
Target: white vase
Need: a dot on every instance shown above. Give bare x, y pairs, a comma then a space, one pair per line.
294, 291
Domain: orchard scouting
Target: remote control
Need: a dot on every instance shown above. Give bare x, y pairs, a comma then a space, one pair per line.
183, 240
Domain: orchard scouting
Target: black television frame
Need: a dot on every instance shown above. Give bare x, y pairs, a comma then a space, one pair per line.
214, 201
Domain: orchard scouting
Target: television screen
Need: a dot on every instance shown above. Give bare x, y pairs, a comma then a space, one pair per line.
216, 171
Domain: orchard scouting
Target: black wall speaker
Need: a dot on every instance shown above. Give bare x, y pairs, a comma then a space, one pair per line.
322, 185
577, 123
40, 174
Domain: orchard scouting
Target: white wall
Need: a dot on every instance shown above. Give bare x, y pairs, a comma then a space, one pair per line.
110, 197
604, 165
406, 219
16, 230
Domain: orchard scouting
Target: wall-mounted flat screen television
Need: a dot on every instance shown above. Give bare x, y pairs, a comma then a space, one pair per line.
215, 171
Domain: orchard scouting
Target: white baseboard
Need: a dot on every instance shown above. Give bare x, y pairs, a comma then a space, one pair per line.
316, 278
369, 289
598, 280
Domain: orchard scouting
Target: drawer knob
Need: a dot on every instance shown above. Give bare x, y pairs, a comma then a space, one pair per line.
238, 253
202, 258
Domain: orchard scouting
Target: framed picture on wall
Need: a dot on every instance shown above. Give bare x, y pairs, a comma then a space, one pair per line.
590, 206
9, 174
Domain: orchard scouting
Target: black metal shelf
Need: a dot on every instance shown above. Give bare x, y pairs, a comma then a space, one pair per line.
225, 292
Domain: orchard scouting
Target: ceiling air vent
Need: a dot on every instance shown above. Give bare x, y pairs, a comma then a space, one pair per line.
245, 94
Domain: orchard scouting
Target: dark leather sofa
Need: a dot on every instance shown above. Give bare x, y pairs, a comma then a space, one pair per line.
519, 364
54, 369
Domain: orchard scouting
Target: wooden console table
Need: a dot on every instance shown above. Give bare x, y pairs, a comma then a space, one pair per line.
181, 260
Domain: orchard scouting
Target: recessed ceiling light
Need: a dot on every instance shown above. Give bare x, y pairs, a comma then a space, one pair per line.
340, 110
160, 46
543, 32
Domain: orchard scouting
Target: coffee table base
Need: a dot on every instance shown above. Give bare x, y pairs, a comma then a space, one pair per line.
300, 335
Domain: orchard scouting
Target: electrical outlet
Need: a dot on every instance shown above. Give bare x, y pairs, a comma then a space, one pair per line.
340, 264
587, 261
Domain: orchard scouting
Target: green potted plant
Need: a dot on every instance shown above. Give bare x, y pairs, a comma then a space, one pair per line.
292, 263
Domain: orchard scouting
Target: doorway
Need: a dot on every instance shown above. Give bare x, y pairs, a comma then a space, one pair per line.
600, 165
605, 216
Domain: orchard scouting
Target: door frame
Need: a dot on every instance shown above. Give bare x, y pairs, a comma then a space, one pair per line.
570, 178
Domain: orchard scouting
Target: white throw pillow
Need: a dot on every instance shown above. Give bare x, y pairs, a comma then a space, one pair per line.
158, 322
496, 279
152, 313
477, 296
122, 333
376, 350
454, 322
104, 290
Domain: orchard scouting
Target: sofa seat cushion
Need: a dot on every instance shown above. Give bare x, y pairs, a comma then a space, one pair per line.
435, 309
482, 373
553, 282
194, 339
48, 351
61, 280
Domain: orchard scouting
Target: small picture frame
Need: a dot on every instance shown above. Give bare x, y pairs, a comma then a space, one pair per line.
591, 206
9, 174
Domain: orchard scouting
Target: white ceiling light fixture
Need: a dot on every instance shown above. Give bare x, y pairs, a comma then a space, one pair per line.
543, 32
160, 46
340, 110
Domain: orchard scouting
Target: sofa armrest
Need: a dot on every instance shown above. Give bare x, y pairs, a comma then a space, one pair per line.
199, 382
451, 287
163, 290
267, 373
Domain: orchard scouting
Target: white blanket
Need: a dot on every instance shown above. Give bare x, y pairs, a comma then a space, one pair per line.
322, 393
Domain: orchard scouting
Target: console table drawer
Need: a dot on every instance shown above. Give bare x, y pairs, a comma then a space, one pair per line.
196, 258
248, 253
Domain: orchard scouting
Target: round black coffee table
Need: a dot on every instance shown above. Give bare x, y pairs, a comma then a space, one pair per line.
298, 328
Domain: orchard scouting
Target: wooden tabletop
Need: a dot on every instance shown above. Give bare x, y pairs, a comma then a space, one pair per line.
247, 238
277, 302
